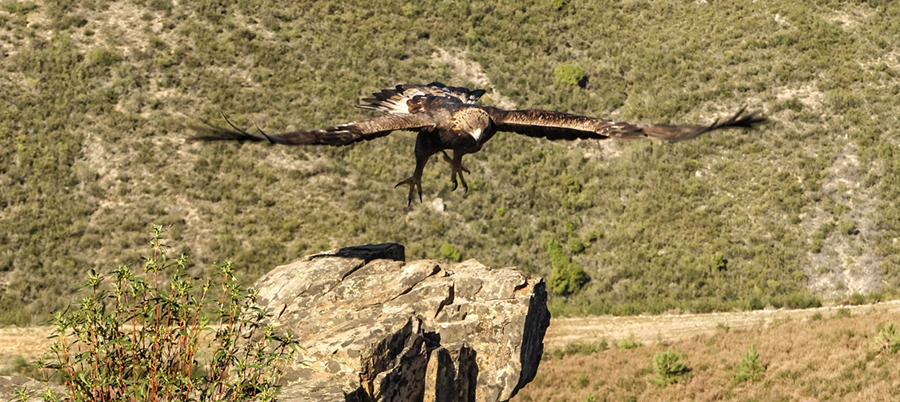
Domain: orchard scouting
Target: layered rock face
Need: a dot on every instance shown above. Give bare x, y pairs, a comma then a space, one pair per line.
377, 328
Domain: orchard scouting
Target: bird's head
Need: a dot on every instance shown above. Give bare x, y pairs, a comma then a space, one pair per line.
473, 121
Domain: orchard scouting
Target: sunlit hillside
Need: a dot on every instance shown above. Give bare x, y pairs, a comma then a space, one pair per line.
96, 97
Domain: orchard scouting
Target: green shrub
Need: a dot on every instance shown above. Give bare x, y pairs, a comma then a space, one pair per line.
857, 299
450, 252
566, 275
15, 7
575, 245
576, 348
586, 348
138, 339
749, 367
102, 57
888, 339
583, 380
559, 4
629, 343
847, 227
875, 297
570, 74
718, 262
668, 367
160, 5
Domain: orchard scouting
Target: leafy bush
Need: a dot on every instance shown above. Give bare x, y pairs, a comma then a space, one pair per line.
566, 275
583, 380
102, 57
629, 343
749, 367
575, 245
570, 74
16, 7
139, 339
668, 367
576, 348
559, 4
718, 262
888, 339
451, 252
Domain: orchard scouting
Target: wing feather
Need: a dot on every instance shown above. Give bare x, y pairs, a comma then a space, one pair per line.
344, 134
406, 98
564, 126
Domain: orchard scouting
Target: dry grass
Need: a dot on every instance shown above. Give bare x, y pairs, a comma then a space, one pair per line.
26, 341
830, 357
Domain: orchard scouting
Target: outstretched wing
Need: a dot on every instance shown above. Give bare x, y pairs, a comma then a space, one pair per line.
563, 126
408, 98
343, 134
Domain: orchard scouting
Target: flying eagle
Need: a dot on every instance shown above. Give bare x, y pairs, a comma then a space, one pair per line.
448, 118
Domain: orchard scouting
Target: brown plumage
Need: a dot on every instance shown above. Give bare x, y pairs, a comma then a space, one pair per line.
448, 118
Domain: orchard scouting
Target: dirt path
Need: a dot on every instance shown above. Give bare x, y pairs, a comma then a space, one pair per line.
32, 341
26, 342
675, 327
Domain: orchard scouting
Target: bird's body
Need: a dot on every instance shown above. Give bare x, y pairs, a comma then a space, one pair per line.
447, 118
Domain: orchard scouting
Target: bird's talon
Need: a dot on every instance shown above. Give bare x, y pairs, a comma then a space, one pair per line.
414, 185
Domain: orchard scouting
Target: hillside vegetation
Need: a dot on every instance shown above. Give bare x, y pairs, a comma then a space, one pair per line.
96, 97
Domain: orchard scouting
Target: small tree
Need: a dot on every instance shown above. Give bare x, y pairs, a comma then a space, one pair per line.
566, 275
749, 368
451, 252
138, 339
668, 368
570, 74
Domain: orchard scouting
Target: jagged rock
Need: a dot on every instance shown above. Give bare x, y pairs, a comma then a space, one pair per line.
380, 329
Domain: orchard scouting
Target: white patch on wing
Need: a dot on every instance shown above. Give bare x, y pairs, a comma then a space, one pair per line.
400, 107
477, 134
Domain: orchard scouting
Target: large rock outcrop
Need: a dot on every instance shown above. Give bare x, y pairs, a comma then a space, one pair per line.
377, 328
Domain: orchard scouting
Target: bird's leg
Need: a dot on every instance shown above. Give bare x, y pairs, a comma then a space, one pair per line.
457, 169
415, 181
450, 161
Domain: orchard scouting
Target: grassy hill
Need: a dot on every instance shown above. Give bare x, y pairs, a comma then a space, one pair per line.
96, 96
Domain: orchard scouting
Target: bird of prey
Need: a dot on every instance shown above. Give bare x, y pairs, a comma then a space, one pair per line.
447, 118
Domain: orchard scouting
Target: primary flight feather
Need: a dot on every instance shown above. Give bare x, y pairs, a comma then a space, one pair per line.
447, 118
